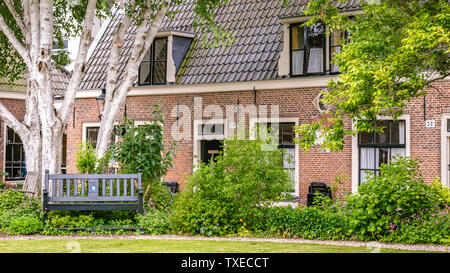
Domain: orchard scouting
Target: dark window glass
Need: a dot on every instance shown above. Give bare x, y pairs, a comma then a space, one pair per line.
308, 49
211, 129
153, 67
15, 157
92, 134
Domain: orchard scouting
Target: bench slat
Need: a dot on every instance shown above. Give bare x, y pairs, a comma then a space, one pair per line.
90, 176
118, 187
75, 187
110, 187
92, 199
103, 187
68, 187
125, 182
82, 187
98, 206
60, 187
132, 187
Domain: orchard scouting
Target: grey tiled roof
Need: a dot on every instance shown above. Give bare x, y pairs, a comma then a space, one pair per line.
255, 25
59, 82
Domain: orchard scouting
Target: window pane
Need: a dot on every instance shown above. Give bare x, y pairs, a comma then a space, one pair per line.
144, 73
147, 56
17, 153
160, 49
398, 152
316, 35
366, 137
365, 175
10, 136
287, 133
297, 62
334, 50
159, 76
398, 132
211, 129
91, 136
382, 156
9, 150
383, 137
367, 158
315, 45
297, 37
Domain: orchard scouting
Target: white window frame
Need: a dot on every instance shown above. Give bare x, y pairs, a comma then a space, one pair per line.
197, 138
445, 156
355, 148
255, 121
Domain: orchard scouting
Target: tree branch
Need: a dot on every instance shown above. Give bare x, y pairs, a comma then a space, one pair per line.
116, 51
12, 122
16, 17
77, 73
15, 42
141, 44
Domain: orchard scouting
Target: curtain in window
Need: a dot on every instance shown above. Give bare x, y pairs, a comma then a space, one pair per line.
315, 64
297, 62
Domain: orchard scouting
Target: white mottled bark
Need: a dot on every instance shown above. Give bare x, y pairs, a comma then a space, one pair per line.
117, 93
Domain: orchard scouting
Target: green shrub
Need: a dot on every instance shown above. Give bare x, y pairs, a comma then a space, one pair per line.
398, 192
155, 222
16, 200
86, 158
427, 227
236, 188
308, 223
142, 149
24, 225
194, 215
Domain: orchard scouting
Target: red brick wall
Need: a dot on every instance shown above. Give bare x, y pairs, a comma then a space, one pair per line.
314, 166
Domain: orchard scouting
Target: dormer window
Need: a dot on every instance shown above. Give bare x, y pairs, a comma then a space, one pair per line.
153, 68
164, 57
308, 49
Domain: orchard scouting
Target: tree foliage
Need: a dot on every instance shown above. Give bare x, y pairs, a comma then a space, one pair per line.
141, 148
396, 51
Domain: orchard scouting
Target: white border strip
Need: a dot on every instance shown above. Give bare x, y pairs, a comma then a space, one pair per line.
151, 90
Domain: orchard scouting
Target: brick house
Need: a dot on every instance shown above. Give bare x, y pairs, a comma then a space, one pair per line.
273, 73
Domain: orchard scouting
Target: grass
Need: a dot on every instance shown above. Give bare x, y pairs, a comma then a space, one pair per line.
173, 246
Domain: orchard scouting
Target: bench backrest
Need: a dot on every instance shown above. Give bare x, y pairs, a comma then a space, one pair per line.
93, 187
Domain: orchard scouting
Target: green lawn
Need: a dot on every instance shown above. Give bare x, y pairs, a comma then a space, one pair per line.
171, 246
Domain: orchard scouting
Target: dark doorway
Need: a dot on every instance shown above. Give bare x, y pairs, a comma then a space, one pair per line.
210, 149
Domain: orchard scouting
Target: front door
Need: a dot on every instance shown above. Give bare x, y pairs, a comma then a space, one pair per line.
210, 149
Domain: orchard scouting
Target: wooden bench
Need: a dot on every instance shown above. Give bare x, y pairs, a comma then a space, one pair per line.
89, 192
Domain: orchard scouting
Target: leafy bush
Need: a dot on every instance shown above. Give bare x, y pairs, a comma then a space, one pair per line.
11, 200
155, 221
24, 224
19, 214
86, 158
142, 149
235, 189
205, 217
427, 227
94, 219
88, 162
399, 192
308, 223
